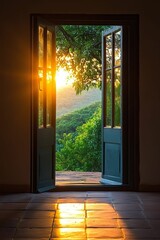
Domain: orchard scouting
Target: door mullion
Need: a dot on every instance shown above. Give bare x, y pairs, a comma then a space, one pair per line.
112, 83
103, 81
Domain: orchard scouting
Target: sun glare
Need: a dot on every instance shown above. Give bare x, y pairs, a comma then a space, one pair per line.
62, 78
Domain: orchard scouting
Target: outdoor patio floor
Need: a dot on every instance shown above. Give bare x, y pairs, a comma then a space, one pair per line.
74, 177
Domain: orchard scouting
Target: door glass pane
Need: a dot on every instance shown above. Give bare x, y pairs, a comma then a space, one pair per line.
49, 100
108, 99
49, 80
117, 48
108, 51
49, 49
117, 96
41, 46
40, 76
40, 99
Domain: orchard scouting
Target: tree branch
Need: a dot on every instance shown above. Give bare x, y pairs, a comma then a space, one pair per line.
68, 37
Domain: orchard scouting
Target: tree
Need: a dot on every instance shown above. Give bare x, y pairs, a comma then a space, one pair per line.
81, 151
78, 50
69, 122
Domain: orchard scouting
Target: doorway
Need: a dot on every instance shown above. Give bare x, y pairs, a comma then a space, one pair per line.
79, 104
119, 84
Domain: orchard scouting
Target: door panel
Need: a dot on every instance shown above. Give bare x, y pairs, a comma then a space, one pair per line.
113, 166
112, 154
45, 164
112, 101
44, 104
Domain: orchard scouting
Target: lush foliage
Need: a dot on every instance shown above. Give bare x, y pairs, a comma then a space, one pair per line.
81, 148
80, 47
69, 122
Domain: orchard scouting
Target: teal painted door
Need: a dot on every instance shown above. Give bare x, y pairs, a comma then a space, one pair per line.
112, 80
44, 93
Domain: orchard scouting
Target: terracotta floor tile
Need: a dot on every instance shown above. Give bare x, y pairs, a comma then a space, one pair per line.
96, 222
44, 200
149, 196
104, 233
152, 214
138, 234
50, 194
155, 223
13, 206
125, 201
65, 194
99, 200
153, 206
133, 223
73, 214
98, 194
101, 214
39, 214
124, 197
157, 233
71, 200
7, 233
8, 222
36, 238
69, 238
69, 223
104, 238
139, 238
127, 207
33, 233
70, 206
36, 223
42, 206
131, 214
6, 214
68, 233
74, 194
17, 198
100, 206
80, 215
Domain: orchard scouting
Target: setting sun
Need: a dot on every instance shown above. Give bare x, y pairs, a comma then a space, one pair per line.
62, 78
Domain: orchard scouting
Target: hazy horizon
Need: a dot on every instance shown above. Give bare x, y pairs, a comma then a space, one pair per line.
67, 101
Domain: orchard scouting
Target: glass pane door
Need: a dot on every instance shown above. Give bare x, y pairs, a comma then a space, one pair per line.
113, 79
45, 77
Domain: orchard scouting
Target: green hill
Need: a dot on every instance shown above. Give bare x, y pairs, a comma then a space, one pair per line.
79, 140
69, 122
68, 101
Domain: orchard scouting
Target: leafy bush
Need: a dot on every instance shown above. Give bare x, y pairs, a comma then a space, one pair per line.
69, 122
81, 150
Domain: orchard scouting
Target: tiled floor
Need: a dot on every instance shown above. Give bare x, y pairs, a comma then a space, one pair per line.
80, 215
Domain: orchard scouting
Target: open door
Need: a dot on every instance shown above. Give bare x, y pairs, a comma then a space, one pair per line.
112, 81
44, 105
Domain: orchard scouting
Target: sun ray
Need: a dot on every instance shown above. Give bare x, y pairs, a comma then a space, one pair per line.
62, 78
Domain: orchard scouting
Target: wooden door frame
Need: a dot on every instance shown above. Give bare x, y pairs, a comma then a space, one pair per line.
131, 128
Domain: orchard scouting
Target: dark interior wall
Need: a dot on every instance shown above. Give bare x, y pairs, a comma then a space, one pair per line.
15, 153
16, 82
149, 95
